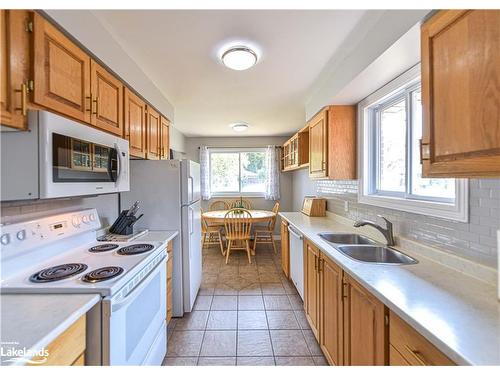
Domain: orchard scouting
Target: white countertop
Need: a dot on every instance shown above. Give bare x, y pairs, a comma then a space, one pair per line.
159, 235
457, 313
32, 321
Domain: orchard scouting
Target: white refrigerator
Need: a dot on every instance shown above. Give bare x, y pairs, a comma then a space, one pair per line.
168, 192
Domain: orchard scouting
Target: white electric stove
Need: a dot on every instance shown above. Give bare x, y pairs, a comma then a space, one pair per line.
60, 254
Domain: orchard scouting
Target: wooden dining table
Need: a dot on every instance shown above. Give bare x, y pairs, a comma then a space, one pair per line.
217, 217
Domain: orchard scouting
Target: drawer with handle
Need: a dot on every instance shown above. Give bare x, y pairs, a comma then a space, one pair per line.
408, 345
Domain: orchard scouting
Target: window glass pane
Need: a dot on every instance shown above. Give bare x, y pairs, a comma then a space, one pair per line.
392, 148
428, 187
253, 172
224, 172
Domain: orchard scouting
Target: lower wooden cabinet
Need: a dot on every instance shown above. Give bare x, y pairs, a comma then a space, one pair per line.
68, 349
311, 286
285, 248
330, 311
365, 328
170, 263
410, 347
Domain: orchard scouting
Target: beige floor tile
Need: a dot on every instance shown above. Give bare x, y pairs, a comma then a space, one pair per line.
252, 320
222, 289
217, 361
195, 320
250, 303
219, 344
254, 343
225, 303
277, 303
301, 318
289, 343
273, 288
180, 361
312, 343
220, 320
255, 361
206, 290
185, 344
296, 302
320, 361
203, 303
251, 290
269, 278
294, 361
282, 320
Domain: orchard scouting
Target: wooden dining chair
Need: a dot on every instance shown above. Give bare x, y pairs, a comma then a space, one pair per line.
211, 234
244, 202
238, 226
218, 205
265, 234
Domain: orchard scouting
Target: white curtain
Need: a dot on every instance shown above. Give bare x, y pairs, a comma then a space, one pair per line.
272, 173
205, 173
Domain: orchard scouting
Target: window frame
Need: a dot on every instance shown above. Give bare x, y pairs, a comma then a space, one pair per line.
232, 150
368, 141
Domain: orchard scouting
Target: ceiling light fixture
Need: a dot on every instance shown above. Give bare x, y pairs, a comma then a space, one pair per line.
239, 127
239, 58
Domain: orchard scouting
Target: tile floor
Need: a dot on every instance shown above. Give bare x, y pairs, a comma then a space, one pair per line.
246, 315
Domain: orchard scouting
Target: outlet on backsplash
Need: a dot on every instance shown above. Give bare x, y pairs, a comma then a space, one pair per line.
346, 206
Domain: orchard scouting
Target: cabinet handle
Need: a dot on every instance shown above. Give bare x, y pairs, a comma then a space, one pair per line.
344, 290
96, 101
417, 355
321, 264
89, 109
315, 263
24, 93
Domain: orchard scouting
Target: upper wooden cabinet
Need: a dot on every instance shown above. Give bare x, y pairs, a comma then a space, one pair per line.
332, 143
107, 100
61, 72
164, 138
318, 145
365, 329
285, 248
153, 127
135, 123
14, 67
296, 151
461, 94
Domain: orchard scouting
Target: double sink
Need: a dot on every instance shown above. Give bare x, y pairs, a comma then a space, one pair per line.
364, 249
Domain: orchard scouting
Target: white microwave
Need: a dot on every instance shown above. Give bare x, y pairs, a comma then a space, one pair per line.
58, 157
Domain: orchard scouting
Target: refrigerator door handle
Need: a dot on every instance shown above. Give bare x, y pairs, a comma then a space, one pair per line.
191, 219
190, 189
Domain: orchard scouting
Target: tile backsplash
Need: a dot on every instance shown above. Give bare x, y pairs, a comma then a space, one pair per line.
475, 240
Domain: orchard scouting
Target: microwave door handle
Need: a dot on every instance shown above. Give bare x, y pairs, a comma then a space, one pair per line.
113, 154
139, 288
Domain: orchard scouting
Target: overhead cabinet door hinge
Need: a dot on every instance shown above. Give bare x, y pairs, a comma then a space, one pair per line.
425, 151
29, 26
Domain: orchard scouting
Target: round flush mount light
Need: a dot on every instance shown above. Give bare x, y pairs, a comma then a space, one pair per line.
239, 58
239, 127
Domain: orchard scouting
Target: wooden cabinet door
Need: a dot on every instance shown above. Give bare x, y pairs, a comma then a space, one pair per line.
318, 145
165, 138
14, 67
460, 93
135, 123
61, 72
285, 248
330, 312
107, 100
365, 331
153, 134
342, 142
311, 287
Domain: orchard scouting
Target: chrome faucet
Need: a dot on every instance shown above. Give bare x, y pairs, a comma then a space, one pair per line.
387, 232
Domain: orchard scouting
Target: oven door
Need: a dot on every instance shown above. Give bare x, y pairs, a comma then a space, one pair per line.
134, 324
78, 160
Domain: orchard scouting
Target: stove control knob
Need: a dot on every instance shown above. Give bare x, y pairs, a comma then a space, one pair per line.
75, 221
21, 235
85, 219
92, 217
5, 239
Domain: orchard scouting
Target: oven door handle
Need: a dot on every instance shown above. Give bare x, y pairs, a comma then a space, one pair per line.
139, 288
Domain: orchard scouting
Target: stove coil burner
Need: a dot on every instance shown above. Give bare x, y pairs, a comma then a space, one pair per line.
135, 249
102, 248
60, 272
102, 274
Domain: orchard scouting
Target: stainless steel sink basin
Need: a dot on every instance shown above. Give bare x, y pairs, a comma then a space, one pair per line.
346, 239
376, 254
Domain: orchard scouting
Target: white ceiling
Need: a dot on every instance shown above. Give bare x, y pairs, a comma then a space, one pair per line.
178, 51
